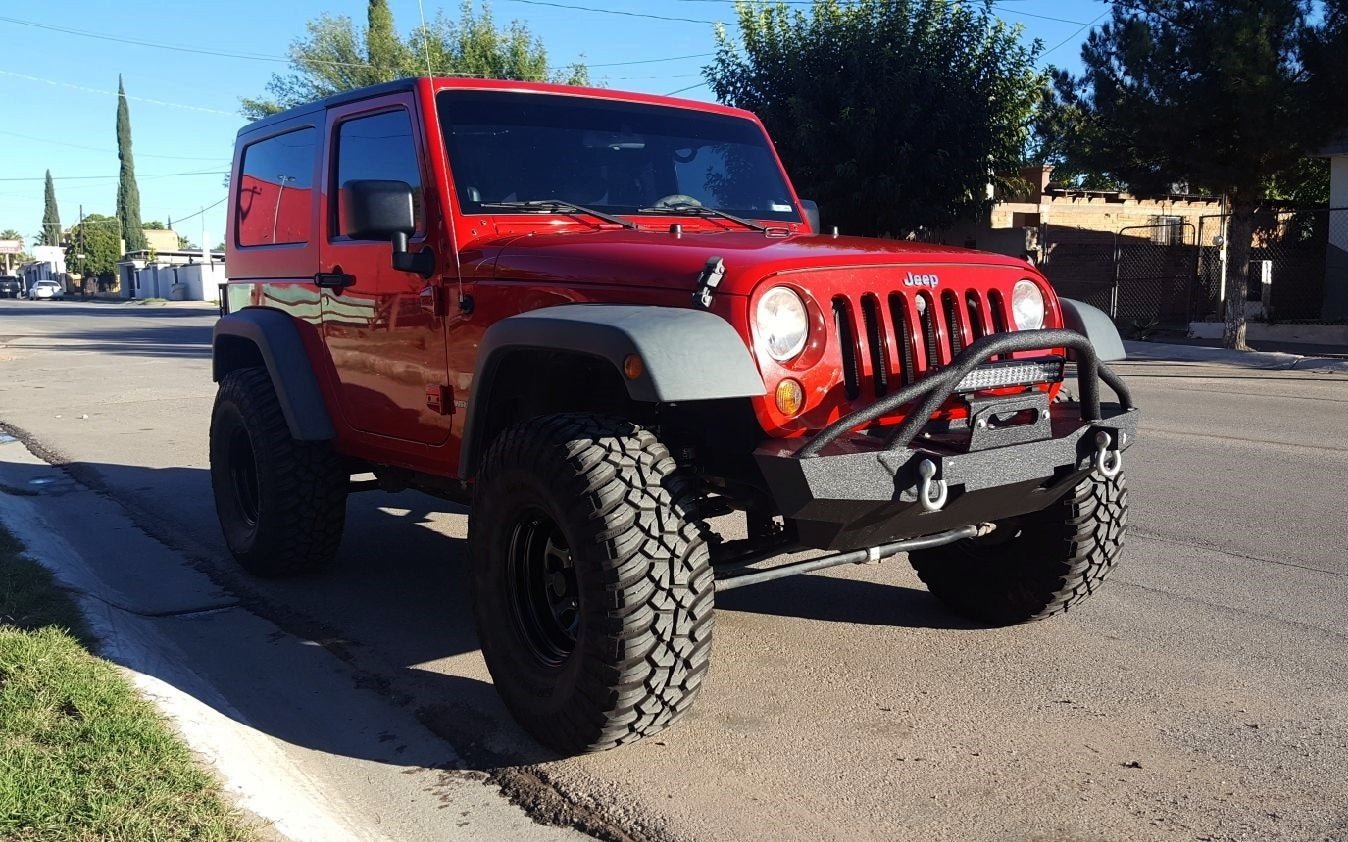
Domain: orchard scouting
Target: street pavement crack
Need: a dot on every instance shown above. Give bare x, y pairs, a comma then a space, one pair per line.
1199, 545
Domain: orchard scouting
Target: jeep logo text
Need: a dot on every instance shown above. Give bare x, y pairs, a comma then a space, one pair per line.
921, 280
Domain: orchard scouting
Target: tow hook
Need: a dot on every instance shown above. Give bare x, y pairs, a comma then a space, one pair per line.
932, 492
1108, 460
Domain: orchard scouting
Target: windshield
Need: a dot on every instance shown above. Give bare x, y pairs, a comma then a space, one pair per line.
618, 157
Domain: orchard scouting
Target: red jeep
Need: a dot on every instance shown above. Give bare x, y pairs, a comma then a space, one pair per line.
606, 321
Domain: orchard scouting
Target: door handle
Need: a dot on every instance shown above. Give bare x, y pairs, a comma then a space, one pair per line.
334, 280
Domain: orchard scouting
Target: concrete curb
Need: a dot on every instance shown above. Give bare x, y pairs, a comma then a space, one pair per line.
1269, 360
296, 739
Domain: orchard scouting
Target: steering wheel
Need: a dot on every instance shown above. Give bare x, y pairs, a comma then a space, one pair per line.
676, 199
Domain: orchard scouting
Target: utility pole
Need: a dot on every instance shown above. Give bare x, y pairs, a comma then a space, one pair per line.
83, 257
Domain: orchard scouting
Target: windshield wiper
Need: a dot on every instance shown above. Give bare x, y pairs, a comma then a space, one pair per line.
703, 210
558, 206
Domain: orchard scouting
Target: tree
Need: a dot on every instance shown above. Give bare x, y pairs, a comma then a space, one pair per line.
98, 238
128, 193
1228, 96
51, 217
893, 114
336, 55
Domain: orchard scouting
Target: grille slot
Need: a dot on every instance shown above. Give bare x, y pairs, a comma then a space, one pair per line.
997, 309
926, 317
875, 341
953, 323
976, 329
903, 334
844, 324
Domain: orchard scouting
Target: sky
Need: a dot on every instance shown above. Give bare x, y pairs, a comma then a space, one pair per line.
186, 65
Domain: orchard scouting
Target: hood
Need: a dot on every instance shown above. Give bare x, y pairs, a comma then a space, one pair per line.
656, 258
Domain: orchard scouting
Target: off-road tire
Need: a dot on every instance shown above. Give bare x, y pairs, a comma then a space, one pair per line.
292, 521
641, 574
1035, 566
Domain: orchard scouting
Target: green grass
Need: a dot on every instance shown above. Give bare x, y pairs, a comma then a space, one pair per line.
82, 755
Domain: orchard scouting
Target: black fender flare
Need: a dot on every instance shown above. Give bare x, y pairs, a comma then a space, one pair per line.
686, 355
1092, 323
277, 341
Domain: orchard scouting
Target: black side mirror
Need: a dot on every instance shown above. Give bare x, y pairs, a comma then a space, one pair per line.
811, 214
375, 209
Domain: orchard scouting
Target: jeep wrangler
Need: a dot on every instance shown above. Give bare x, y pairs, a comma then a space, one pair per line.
606, 322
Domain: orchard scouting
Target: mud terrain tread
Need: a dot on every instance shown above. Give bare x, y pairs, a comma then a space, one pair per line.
303, 485
1060, 558
652, 626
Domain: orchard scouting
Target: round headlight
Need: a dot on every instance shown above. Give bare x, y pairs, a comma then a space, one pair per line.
783, 323
1027, 305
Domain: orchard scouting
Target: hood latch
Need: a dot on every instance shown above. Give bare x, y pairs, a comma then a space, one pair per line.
708, 281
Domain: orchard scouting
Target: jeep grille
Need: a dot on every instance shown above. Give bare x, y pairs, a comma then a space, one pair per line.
889, 340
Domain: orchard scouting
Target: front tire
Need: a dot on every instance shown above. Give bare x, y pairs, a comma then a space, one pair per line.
281, 502
592, 586
1035, 566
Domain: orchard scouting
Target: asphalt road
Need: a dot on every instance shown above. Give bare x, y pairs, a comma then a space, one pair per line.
1203, 694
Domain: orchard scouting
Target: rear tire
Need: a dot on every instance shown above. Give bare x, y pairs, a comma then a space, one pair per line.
1034, 566
281, 502
592, 586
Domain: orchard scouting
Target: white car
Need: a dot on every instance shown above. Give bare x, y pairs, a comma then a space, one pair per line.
48, 290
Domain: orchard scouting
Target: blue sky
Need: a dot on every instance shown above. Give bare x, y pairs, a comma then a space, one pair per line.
58, 88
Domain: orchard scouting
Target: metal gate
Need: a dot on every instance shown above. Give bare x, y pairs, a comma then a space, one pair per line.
1146, 277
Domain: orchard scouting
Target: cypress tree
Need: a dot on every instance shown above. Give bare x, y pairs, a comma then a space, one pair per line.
128, 194
51, 217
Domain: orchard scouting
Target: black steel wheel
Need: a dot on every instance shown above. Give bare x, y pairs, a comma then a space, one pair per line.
542, 586
592, 583
281, 502
1034, 566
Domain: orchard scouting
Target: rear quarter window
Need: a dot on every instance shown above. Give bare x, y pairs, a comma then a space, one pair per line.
274, 202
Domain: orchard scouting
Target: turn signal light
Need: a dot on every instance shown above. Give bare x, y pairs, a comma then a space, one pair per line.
633, 367
790, 397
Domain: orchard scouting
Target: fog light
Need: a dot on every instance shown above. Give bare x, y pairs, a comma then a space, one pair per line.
790, 397
633, 367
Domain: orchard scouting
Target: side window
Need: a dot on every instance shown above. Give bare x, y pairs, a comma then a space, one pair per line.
276, 190
377, 147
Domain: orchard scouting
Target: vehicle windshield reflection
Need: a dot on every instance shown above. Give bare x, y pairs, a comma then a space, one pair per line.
615, 157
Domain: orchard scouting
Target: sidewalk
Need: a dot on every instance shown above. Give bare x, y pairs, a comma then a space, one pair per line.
1268, 359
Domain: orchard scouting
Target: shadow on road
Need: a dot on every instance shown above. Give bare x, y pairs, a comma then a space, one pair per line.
393, 607
159, 331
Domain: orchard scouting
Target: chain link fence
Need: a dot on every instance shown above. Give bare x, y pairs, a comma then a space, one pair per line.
1170, 273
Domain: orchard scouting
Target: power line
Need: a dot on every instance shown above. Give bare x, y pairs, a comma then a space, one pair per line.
51, 142
282, 59
689, 88
1069, 38
114, 93
177, 219
811, 3
613, 12
91, 177
160, 46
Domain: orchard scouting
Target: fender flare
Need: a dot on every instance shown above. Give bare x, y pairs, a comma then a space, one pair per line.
1092, 323
281, 350
686, 355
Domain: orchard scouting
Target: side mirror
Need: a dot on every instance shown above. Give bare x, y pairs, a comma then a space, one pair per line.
375, 209
811, 214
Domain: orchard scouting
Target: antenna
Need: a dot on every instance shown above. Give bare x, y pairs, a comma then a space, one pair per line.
425, 37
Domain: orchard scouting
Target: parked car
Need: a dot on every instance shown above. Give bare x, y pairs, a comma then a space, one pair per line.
47, 291
10, 287
605, 320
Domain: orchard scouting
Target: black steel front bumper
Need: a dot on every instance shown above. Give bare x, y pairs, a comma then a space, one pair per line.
846, 490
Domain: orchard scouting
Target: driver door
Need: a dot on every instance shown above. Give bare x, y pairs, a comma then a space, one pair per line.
382, 327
